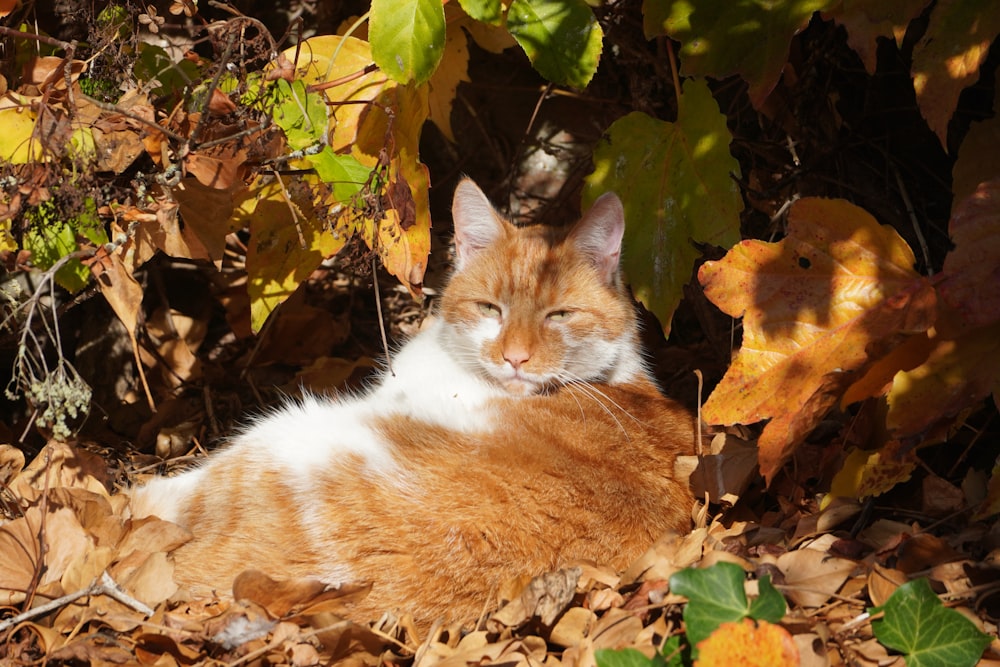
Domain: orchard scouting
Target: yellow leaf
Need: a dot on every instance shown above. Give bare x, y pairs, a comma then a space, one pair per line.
384, 134
16, 142
748, 644
285, 247
444, 82
866, 474
818, 307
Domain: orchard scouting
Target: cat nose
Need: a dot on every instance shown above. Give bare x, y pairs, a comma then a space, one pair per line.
515, 356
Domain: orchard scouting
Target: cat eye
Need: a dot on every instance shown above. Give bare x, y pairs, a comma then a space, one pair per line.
558, 315
489, 310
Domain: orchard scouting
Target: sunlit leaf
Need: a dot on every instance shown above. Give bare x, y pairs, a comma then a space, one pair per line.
487, 11
866, 474
407, 37
302, 115
444, 84
50, 237
561, 37
287, 241
719, 37
675, 181
925, 631
342, 172
817, 307
16, 144
716, 595
748, 644
947, 58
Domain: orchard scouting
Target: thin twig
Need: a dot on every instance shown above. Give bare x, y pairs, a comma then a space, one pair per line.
913, 220
106, 586
381, 321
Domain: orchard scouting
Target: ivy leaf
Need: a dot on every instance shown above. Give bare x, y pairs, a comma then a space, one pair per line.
561, 37
626, 657
675, 182
407, 38
925, 631
715, 596
720, 37
769, 605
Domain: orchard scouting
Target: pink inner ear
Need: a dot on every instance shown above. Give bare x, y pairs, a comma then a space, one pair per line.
599, 234
477, 225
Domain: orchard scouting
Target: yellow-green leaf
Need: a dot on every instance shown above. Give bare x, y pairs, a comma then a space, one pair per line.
675, 182
407, 37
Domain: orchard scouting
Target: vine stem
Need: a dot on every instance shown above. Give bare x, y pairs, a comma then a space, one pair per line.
673, 71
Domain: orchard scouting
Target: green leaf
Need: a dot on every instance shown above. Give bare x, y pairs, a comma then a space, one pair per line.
626, 657
50, 237
407, 38
561, 37
721, 37
487, 11
769, 605
675, 181
343, 172
925, 631
172, 78
301, 115
715, 596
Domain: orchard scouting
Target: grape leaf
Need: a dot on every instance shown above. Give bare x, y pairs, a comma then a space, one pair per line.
818, 306
719, 37
674, 181
925, 631
947, 59
561, 37
716, 595
407, 38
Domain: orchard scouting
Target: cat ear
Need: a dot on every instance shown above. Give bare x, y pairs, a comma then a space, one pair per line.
598, 235
477, 224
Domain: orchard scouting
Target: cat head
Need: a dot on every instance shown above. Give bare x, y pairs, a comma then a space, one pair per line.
531, 308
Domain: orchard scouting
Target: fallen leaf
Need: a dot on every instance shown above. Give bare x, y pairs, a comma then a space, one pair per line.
817, 307
748, 644
813, 576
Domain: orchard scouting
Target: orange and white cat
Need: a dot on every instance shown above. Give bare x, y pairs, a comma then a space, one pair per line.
520, 431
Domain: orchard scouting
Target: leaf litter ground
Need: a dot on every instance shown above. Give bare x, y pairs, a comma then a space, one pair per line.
108, 581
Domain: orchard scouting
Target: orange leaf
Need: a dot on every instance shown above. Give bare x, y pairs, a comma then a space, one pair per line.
818, 307
748, 644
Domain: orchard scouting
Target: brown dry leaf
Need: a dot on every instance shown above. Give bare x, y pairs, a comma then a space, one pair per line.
11, 463
724, 473
883, 582
452, 71
281, 597
543, 597
818, 306
812, 576
571, 629
208, 210
748, 644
